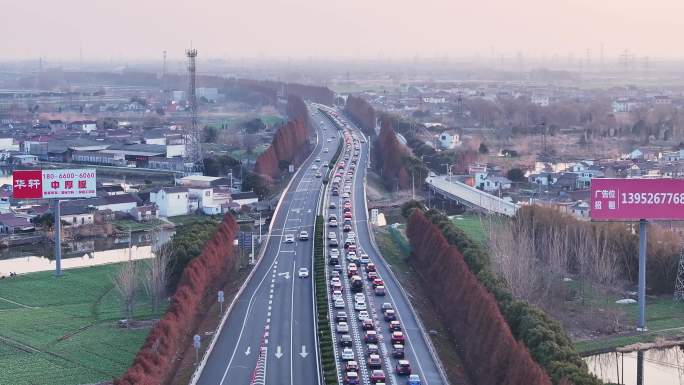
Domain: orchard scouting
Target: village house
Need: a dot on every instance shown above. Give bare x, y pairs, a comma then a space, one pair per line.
171, 201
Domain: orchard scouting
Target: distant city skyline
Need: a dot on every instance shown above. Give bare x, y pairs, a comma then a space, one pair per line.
85, 30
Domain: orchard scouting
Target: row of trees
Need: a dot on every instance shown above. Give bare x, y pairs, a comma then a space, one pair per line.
544, 337
389, 158
491, 353
554, 245
170, 336
362, 113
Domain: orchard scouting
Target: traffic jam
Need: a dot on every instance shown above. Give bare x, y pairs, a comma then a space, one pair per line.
369, 340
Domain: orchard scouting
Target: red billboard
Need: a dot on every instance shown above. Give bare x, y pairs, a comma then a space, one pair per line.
37, 184
634, 199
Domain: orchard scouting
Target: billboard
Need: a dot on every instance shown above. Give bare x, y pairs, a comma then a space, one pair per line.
634, 199
67, 183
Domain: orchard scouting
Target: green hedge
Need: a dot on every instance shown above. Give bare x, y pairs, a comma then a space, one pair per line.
325, 338
544, 337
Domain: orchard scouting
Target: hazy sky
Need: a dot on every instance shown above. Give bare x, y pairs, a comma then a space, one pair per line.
141, 29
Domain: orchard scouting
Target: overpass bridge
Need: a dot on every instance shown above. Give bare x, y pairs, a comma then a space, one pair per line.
470, 196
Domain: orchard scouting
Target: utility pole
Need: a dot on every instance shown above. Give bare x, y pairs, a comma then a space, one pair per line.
58, 239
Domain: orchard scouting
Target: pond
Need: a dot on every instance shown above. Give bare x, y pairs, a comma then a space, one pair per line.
658, 367
81, 253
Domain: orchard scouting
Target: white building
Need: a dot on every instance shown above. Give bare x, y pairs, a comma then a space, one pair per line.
171, 201
7, 144
540, 100
84, 125
434, 100
175, 150
496, 183
448, 140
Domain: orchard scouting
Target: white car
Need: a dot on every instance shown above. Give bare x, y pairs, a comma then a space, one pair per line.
326, 149
329, 140
359, 297
318, 174
337, 295
339, 303
364, 258
303, 272
360, 306
289, 238
347, 354
342, 327
314, 167
363, 315
335, 252
303, 235
318, 159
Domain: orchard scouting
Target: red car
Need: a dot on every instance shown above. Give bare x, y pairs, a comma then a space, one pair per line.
371, 337
370, 267
367, 324
397, 338
378, 282
377, 376
372, 276
403, 368
395, 326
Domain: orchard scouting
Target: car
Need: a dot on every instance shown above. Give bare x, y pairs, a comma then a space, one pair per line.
342, 327
378, 282
347, 354
333, 242
385, 306
360, 306
332, 206
336, 286
376, 376
318, 159
379, 291
347, 205
332, 223
348, 214
414, 379
303, 235
359, 297
345, 195
346, 228
345, 340
289, 238
398, 350
372, 349
337, 268
371, 337
332, 235
334, 252
339, 303
351, 378
318, 174
403, 368
335, 273
314, 167
394, 326
351, 366
363, 315
365, 259
303, 272
326, 150
341, 316
369, 266
336, 294
397, 338
389, 315
372, 276
374, 362
329, 140
356, 284
367, 324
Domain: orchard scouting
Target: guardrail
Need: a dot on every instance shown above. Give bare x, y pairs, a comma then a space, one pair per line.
263, 246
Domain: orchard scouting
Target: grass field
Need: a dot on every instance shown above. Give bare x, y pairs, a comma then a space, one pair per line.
63, 331
472, 226
131, 225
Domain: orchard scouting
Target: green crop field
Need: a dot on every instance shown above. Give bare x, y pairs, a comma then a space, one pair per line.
472, 225
63, 331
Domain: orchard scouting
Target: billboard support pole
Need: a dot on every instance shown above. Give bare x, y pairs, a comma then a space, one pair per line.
58, 239
641, 326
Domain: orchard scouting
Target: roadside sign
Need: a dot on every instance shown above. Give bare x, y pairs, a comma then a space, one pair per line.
61, 184
196, 341
635, 199
220, 296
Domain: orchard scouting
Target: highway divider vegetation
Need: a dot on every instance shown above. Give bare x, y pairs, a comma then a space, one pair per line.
172, 335
325, 339
493, 327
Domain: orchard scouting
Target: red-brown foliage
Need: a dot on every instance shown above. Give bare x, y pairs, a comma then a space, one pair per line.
490, 352
318, 94
287, 143
362, 113
153, 363
389, 158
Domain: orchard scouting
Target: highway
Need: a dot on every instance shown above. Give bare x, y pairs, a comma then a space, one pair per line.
418, 350
269, 335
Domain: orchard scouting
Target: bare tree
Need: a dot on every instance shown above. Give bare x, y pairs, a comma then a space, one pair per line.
126, 282
157, 274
